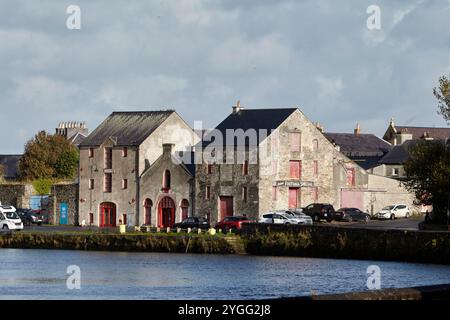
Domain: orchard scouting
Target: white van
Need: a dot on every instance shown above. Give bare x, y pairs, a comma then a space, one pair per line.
9, 220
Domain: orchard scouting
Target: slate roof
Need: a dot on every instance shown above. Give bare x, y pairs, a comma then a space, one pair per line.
11, 164
128, 128
399, 153
258, 119
361, 144
421, 132
363, 148
77, 139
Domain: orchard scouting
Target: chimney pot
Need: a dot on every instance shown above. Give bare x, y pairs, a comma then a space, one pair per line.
357, 129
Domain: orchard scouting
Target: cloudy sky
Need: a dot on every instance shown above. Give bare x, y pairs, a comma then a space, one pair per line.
199, 57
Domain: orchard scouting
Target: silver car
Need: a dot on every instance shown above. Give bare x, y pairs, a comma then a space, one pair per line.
299, 215
277, 218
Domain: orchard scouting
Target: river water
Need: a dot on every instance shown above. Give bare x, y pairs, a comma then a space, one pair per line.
42, 274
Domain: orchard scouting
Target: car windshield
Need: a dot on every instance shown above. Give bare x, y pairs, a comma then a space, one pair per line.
388, 208
11, 215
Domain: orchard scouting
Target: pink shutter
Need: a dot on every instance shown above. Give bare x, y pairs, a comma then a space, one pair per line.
295, 141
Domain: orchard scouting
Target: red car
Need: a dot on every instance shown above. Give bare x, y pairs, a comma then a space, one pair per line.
232, 223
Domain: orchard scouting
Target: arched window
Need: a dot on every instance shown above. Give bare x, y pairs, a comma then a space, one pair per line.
184, 209
166, 180
148, 204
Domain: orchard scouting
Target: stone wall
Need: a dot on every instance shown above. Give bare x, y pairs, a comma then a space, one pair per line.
17, 195
64, 193
347, 243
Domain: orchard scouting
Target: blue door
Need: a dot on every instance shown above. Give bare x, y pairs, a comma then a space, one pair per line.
63, 213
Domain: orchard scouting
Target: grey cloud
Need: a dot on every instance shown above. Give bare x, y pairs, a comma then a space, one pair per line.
200, 56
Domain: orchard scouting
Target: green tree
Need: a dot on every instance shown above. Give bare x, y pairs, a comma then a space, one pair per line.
2, 173
428, 176
67, 164
48, 156
442, 93
42, 186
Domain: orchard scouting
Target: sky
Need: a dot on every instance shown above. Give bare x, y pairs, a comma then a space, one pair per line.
199, 57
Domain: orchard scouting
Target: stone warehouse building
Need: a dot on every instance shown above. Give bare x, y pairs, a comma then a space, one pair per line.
129, 170
296, 164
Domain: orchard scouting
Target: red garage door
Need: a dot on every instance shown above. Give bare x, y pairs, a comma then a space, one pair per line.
352, 199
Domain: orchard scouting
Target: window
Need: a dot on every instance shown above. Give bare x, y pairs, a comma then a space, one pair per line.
315, 145
294, 138
245, 168
91, 184
295, 169
124, 218
124, 152
184, 209
350, 176
108, 182
209, 168
274, 193
91, 152
244, 194
208, 193
108, 158
395, 171
166, 180
91, 218
316, 168
274, 166
148, 211
314, 194
125, 184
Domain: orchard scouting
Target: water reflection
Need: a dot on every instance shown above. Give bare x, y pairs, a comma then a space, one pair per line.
41, 274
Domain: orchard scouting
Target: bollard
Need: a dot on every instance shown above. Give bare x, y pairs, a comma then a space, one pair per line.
178, 230
189, 230
199, 230
168, 229
122, 228
212, 231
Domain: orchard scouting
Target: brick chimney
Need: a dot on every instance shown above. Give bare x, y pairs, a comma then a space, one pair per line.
357, 129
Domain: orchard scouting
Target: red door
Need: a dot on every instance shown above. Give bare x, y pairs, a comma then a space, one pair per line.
226, 207
107, 214
293, 198
166, 212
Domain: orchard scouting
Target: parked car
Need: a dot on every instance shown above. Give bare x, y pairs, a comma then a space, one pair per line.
303, 218
193, 222
394, 211
29, 217
278, 218
351, 214
319, 211
9, 220
232, 223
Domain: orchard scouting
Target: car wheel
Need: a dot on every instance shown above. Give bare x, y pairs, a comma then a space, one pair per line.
5, 227
392, 216
316, 218
407, 215
367, 219
225, 229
